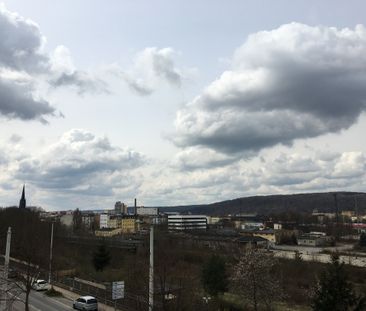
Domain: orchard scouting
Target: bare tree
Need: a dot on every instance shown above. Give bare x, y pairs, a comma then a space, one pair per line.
29, 246
253, 278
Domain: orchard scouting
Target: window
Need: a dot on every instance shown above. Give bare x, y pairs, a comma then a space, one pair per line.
81, 300
90, 301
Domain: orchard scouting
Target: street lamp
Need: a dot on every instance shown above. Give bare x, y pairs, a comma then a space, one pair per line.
51, 250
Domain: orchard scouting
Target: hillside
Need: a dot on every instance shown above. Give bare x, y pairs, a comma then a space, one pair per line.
305, 202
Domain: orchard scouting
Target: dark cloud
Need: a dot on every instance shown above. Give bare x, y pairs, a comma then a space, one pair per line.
293, 82
23, 61
17, 101
21, 43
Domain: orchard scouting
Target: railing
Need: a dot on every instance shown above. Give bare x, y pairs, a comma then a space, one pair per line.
83, 287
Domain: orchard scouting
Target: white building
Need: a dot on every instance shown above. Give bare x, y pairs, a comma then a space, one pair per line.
103, 221
147, 211
187, 222
67, 219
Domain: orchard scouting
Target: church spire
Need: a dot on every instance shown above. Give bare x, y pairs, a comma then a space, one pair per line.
22, 202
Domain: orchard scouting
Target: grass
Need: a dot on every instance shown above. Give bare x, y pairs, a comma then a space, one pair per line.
53, 293
237, 302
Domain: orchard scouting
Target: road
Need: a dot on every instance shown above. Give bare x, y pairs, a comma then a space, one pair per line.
38, 301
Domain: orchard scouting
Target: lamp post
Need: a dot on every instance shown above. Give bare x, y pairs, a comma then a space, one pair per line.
4, 302
51, 250
151, 270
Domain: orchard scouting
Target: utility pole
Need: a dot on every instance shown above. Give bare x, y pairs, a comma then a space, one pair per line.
4, 302
51, 249
151, 270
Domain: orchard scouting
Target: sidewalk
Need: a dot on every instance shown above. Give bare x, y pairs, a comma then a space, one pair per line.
72, 296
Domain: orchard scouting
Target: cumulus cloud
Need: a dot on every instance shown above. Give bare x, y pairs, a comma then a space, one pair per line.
21, 55
24, 63
151, 66
21, 43
293, 82
350, 165
79, 162
286, 172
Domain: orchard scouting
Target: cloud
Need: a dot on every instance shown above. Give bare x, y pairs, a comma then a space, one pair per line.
24, 64
64, 73
350, 165
17, 99
21, 43
151, 66
199, 158
80, 162
287, 172
290, 83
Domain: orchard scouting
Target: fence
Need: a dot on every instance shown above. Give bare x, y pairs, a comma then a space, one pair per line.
103, 292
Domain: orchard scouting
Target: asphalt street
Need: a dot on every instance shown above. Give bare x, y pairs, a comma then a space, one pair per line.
38, 301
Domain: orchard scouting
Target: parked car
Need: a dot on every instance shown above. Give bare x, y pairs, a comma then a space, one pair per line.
40, 285
86, 303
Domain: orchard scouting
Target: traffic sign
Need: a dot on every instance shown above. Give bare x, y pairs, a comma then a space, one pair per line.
118, 290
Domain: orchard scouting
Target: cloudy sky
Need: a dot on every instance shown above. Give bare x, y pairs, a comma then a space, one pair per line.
180, 102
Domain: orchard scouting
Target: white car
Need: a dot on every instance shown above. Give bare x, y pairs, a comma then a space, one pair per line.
40, 285
86, 303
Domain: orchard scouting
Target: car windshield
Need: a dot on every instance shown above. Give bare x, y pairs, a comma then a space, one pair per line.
90, 301
42, 282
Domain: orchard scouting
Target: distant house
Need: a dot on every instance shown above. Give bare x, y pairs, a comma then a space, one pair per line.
108, 232
268, 234
253, 241
314, 239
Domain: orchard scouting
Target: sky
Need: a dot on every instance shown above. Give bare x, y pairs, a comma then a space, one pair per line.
176, 103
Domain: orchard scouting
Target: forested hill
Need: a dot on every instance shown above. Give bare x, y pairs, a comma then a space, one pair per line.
305, 202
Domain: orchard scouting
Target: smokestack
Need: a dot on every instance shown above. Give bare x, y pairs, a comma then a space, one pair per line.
135, 202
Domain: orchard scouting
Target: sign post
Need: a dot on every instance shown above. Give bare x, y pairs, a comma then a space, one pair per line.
118, 292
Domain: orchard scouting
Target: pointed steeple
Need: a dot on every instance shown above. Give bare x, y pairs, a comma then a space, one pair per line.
22, 202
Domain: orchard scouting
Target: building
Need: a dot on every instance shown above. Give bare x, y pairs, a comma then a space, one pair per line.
187, 222
252, 241
120, 208
128, 224
88, 220
268, 234
67, 219
250, 225
108, 232
23, 202
313, 239
114, 222
103, 221
147, 211
212, 220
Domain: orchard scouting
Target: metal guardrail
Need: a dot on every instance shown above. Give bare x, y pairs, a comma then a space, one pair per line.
129, 303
